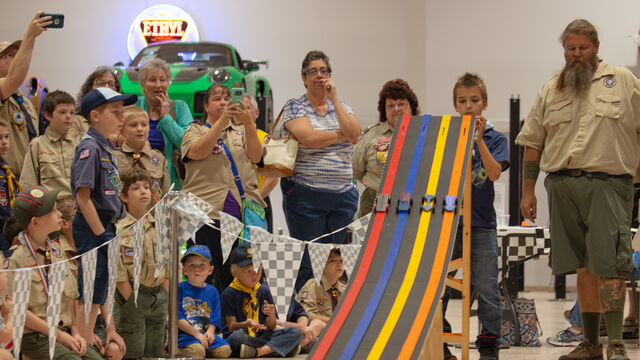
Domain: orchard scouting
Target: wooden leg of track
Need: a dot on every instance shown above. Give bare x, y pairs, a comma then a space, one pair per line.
463, 263
432, 347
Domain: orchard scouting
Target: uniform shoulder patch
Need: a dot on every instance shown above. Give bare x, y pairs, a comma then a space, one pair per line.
84, 154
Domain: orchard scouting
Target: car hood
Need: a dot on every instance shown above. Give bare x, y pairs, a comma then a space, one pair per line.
179, 73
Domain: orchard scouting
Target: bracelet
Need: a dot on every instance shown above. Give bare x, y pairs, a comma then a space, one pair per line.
531, 169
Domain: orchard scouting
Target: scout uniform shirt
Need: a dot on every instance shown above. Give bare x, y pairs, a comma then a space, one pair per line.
79, 126
149, 256
211, 179
70, 251
94, 167
48, 162
12, 113
9, 188
29, 254
317, 300
595, 133
151, 160
370, 154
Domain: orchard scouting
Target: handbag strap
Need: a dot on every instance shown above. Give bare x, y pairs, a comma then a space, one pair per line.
273, 127
236, 176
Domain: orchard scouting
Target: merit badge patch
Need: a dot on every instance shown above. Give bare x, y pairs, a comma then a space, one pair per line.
3, 197
304, 294
155, 161
128, 252
18, 118
156, 192
609, 82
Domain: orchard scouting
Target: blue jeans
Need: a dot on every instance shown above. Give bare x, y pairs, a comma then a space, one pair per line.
576, 318
280, 341
484, 279
85, 240
310, 213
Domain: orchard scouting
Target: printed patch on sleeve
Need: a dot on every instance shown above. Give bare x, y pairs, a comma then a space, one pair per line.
128, 252
84, 154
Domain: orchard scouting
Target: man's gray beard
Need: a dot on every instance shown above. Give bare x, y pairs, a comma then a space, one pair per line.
577, 75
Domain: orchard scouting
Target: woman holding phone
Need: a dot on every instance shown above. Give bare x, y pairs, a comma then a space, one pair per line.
226, 132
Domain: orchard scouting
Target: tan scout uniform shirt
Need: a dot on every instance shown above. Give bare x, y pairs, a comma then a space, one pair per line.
70, 251
153, 161
18, 135
370, 154
595, 133
79, 127
22, 258
48, 162
211, 179
316, 299
149, 255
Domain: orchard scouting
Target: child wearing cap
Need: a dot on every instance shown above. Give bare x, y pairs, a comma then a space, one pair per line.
142, 326
9, 186
95, 184
48, 159
35, 209
199, 308
249, 316
137, 152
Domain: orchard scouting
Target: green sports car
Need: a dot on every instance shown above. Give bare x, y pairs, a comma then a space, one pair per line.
197, 65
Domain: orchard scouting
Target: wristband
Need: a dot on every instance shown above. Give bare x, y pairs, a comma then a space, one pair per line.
531, 169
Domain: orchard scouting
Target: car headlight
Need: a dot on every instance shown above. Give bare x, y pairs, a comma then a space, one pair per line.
219, 76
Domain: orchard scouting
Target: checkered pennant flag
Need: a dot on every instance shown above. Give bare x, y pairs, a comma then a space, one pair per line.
349, 257
138, 236
204, 206
285, 239
319, 253
256, 257
259, 234
21, 287
57, 274
281, 263
230, 228
191, 218
163, 231
88, 279
359, 228
114, 255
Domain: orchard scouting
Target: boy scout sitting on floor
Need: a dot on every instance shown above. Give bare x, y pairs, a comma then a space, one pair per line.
48, 159
35, 209
137, 152
143, 326
320, 300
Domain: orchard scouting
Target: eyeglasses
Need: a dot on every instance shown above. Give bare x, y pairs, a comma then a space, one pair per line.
69, 217
314, 71
102, 83
400, 105
10, 54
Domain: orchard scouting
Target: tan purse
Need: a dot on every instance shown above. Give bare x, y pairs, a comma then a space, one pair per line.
279, 155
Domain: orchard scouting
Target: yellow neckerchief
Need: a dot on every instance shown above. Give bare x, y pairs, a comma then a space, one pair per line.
250, 305
11, 179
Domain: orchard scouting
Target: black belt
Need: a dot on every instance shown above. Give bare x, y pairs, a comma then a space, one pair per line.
595, 174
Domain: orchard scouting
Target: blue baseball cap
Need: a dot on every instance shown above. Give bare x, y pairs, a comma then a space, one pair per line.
99, 96
199, 250
241, 256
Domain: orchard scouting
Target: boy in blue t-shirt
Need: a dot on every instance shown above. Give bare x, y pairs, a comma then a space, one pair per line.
489, 159
249, 316
199, 308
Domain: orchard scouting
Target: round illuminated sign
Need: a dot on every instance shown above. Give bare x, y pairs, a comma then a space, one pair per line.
161, 23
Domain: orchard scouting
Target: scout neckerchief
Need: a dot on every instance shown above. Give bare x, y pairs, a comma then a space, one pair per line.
27, 118
47, 260
250, 305
11, 181
137, 161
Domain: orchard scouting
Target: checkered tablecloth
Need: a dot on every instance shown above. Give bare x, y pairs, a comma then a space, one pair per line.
522, 242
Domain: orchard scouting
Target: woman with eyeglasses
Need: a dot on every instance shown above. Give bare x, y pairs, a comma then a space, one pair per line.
168, 119
320, 197
369, 156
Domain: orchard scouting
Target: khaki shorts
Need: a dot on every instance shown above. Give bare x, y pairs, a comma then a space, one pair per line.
590, 224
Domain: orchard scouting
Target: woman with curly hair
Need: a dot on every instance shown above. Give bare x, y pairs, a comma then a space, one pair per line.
370, 154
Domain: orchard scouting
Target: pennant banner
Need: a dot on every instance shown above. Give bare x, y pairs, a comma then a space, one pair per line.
163, 231
204, 206
319, 253
191, 218
359, 229
259, 234
138, 236
349, 257
88, 279
285, 239
57, 275
281, 262
21, 288
114, 255
230, 229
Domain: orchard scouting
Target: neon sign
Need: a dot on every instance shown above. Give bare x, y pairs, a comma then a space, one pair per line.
161, 23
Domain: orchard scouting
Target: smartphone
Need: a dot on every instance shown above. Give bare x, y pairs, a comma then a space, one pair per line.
237, 96
57, 21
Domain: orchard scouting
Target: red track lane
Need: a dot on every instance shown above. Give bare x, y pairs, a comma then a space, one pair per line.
351, 296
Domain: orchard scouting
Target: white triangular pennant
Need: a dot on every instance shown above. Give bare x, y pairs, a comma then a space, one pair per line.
56, 277
163, 231
230, 228
113, 252
88, 279
285, 239
319, 253
138, 237
21, 288
359, 229
204, 206
191, 218
281, 262
259, 234
349, 257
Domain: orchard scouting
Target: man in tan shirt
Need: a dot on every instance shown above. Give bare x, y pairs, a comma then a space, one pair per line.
16, 110
583, 130
49, 156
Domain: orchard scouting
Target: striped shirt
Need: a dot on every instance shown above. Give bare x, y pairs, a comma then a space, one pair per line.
327, 169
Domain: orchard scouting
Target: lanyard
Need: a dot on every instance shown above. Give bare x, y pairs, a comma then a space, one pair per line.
41, 270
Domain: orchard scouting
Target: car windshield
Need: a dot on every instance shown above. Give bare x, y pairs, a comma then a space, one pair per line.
210, 55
